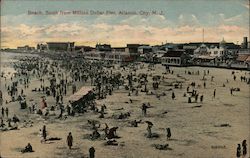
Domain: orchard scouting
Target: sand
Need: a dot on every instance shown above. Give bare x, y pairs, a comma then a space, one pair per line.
194, 131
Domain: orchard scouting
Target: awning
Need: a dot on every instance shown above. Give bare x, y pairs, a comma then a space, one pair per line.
242, 58
248, 59
80, 94
205, 57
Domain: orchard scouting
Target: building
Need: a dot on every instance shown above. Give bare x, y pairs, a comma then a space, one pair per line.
217, 51
145, 49
244, 51
244, 45
189, 48
132, 49
202, 50
175, 58
41, 47
118, 57
118, 49
25, 48
93, 55
103, 47
243, 59
157, 48
171, 46
83, 48
111, 57
220, 51
61, 46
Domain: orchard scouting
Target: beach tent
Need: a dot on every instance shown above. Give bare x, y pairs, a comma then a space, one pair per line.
80, 94
80, 99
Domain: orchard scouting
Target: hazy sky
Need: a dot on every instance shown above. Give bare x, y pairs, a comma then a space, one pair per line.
181, 21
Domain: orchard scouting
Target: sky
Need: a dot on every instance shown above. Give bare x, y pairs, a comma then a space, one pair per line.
176, 21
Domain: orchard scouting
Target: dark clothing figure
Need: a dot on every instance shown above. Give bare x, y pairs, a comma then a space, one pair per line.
68, 109
196, 97
173, 96
112, 133
2, 112
70, 140
234, 77
7, 112
2, 124
15, 119
201, 98
144, 109
44, 133
168, 133
57, 99
231, 91
135, 123
244, 146
92, 152
214, 92
101, 114
9, 122
28, 148
238, 152
103, 107
150, 125
95, 135
106, 130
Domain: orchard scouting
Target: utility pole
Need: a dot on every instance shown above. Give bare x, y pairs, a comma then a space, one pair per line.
203, 35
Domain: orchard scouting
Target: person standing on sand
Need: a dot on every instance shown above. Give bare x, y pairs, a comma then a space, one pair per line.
150, 125
44, 133
2, 112
144, 109
1, 97
168, 133
173, 96
7, 112
70, 140
204, 84
231, 91
92, 152
201, 98
214, 93
196, 97
106, 130
244, 146
68, 109
238, 152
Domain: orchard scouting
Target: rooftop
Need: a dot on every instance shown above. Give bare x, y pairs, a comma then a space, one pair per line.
174, 53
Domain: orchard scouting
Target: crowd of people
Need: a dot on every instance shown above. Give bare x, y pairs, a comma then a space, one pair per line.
58, 79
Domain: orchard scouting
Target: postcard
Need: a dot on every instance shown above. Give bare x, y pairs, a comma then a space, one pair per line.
124, 79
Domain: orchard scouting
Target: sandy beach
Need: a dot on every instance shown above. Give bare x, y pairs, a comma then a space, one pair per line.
208, 129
